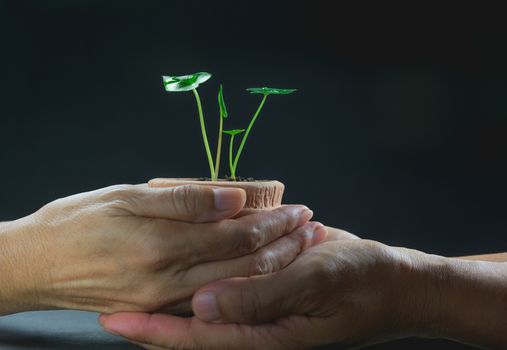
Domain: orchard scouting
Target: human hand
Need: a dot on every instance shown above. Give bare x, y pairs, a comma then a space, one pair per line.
143, 249
335, 234
348, 291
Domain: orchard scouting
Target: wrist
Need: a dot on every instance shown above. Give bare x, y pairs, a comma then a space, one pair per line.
453, 298
475, 300
20, 275
419, 297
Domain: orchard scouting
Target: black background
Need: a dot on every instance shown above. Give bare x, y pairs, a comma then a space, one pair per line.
398, 132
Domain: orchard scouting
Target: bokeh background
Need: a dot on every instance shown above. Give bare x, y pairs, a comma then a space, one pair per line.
398, 131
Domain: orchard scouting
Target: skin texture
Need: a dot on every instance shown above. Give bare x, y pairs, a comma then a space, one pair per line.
135, 248
498, 257
345, 290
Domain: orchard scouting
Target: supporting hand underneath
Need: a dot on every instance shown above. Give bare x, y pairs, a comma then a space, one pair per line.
351, 292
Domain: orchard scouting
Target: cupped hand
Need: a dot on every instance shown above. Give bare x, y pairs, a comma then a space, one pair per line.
345, 290
131, 247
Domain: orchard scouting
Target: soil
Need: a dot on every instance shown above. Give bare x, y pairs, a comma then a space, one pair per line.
227, 178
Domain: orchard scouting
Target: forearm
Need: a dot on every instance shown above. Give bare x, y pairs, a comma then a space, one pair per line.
475, 307
462, 300
498, 257
18, 273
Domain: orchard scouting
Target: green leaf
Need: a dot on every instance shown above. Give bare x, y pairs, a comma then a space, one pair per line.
233, 131
184, 82
221, 103
270, 91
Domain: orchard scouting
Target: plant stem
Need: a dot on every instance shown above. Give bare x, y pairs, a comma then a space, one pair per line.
231, 165
254, 118
204, 136
219, 147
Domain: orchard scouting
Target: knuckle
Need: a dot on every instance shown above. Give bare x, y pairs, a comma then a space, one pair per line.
251, 239
54, 209
117, 192
186, 201
117, 197
264, 263
83, 214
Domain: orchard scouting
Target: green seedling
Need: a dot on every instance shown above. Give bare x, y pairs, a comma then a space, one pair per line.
233, 133
190, 83
223, 115
265, 91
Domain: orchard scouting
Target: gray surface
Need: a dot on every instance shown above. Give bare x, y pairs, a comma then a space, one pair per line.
76, 330
57, 330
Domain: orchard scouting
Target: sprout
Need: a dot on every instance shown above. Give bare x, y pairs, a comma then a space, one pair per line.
266, 91
221, 103
223, 115
190, 83
233, 133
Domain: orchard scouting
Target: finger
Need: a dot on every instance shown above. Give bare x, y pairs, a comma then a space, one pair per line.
190, 203
232, 238
251, 300
271, 258
145, 328
250, 211
155, 331
206, 242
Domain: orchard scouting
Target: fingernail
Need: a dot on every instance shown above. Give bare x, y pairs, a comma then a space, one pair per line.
227, 198
205, 307
305, 215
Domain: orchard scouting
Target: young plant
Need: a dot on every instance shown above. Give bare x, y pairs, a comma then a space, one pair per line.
223, 115
265, 91
190, 83
233, 133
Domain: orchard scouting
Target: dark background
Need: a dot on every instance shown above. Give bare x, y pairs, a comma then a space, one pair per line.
398, 132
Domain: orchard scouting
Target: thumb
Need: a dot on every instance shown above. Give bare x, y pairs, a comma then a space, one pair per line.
251, 300
190, 203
